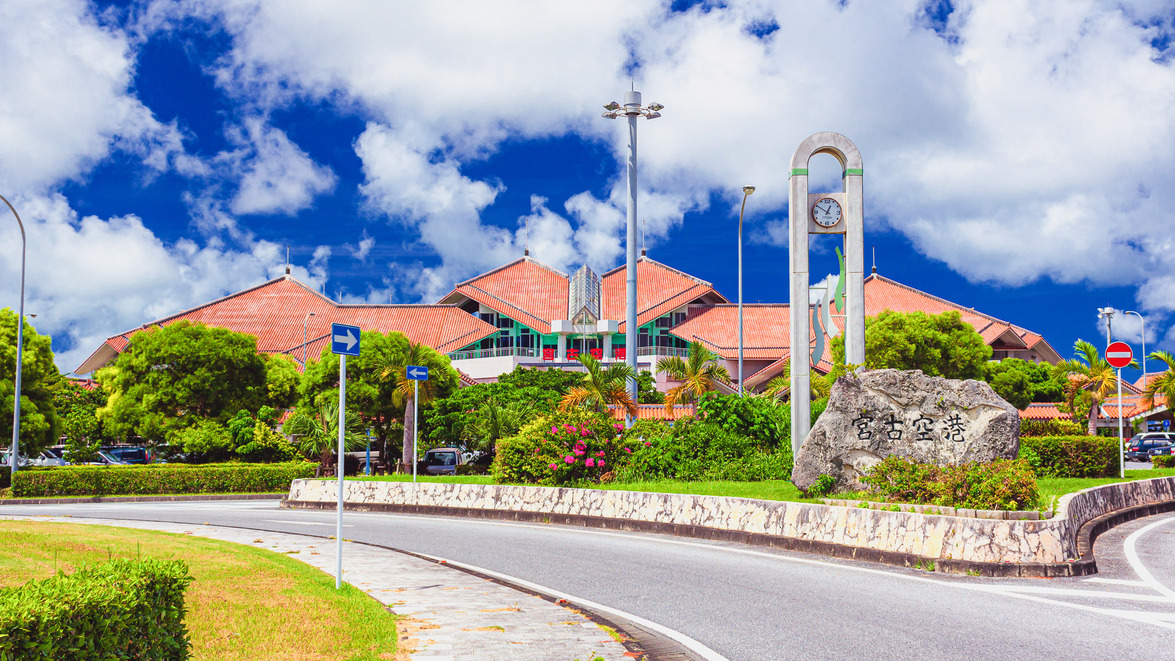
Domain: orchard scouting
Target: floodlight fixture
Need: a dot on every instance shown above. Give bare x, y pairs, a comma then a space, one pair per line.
747, 190
612, 106
656, 107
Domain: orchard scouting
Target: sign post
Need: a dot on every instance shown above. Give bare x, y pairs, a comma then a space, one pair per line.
1119, 355
344, 341
417, 373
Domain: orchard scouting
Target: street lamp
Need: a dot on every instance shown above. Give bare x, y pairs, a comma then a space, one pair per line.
632, 110
747, 190
1108, 314
304, 322
1143, 322
14, 449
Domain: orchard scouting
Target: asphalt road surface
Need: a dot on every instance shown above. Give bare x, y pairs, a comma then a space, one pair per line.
745, 602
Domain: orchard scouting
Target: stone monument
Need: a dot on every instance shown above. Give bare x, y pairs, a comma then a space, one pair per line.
876, 414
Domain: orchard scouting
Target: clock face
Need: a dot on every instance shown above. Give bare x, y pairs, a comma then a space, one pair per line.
826, 212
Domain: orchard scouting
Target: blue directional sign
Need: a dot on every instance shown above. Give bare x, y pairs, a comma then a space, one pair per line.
1166, 424
417, 373
344, 339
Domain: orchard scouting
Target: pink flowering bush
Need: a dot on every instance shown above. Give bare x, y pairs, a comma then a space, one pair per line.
565, 447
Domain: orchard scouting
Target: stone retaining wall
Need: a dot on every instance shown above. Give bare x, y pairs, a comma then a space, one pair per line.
937, 537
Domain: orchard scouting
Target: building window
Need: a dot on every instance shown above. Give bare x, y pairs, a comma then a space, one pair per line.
642, 339
489, 317
505, 340
505, 322
663, 322
679, 317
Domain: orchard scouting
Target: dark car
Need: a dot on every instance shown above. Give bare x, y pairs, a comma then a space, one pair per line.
128, 454
1140, 447
441, 461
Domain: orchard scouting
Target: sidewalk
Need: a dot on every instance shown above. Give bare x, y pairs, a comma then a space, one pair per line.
447, 614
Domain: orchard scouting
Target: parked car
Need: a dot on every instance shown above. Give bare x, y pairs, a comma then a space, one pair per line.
441, 461
130, 454
1139, 448
1162, 449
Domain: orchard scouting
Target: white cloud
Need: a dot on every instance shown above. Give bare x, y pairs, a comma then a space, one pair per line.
66, 103
89, 278
361, 251
276, 176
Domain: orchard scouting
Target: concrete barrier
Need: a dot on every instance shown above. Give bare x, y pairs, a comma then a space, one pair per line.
947, 543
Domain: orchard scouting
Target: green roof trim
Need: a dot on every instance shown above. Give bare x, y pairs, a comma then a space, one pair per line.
857, 171
795, 171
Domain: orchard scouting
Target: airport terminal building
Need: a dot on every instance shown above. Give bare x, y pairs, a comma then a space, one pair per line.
526, 313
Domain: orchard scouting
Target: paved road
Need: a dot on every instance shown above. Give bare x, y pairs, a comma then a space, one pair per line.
750, 603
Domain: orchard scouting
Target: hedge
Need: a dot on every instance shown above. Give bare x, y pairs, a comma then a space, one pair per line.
998, 485
1071, 456
158, 479
1163, 461
124, 609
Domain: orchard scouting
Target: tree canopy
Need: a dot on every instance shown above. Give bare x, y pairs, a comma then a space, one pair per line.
937, 344
1021, 382
171, 378
39, 422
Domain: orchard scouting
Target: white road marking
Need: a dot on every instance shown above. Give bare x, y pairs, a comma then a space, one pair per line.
1117, 581
1136, 563
1091, 594
307, 523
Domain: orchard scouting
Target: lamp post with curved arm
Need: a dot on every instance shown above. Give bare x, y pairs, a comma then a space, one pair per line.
14, 449
747, 190
304, 323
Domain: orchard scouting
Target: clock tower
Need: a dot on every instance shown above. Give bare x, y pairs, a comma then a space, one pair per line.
823, 213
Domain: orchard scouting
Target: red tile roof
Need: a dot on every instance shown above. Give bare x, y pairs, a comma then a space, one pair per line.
524, 290
766, 330
1044, 411
881, 294
274, 313
655, 412
659, 290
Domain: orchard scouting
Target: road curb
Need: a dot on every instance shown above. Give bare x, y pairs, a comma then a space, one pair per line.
1083, 566
140, 499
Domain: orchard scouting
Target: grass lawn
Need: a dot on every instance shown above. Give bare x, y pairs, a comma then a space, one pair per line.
246, 603
1052, 488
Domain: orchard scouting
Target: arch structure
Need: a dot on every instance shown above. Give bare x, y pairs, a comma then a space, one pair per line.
803, 221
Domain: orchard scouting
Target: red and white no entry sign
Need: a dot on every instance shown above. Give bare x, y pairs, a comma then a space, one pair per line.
1119, 354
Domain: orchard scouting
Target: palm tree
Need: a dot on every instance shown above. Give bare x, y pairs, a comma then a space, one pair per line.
779, 388
602, 387
697, 374
496, 421
1163, 384
1090, 372
396, 371
317, 431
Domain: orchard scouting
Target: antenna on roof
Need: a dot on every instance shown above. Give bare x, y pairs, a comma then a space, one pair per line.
526, 238
875, 259
644, 248
287, 259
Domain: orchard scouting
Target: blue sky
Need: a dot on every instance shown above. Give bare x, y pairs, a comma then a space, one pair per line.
1017, 155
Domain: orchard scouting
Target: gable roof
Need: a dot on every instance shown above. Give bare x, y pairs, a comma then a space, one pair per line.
881, 294
525, 290
766, 330
660, 290
274, 312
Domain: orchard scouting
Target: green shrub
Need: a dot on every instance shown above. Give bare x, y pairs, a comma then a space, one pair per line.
821, 487
999, 485
694, 450
120, 610
267, 446
206, 441
5, 476
157, 479
565, 447
1071, 456
1164, 461
1052, 427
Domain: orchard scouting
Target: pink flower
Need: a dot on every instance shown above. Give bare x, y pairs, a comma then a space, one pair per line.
618, 427
648, 443
554, 430
628, 450
552, 466
600, 453
590, 462
578, 452
599, 463
583, 432
570, 428
569, 459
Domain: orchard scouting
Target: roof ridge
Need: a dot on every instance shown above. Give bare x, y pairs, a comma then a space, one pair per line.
645, 258
508, 265
953, 304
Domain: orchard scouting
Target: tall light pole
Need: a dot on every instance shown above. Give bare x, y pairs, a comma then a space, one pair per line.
1108, 315
1143, 322
304, 323
632, 110
14, 449
747, 190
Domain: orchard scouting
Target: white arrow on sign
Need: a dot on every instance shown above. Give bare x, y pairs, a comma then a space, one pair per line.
417, 372
349, 338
